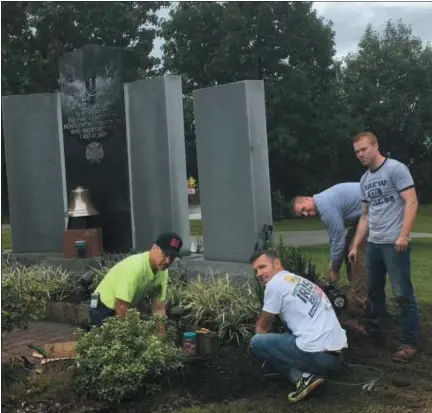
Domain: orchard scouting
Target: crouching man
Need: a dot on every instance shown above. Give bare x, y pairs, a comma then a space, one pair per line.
312, 348
137, 276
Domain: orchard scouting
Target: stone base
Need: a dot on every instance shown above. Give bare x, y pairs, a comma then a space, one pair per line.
193, 265
52, 260
68, 313
196, 265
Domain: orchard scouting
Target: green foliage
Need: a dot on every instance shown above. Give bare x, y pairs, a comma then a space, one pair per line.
36, 34
177, 284
289, 47
388, 90
26, 290
122, 357
11, 372
216, 303
295, 261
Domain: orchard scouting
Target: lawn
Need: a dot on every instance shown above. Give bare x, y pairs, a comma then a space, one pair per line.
423, 223
6, 242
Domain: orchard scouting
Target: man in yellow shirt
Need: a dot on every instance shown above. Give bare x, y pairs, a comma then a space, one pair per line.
135, 277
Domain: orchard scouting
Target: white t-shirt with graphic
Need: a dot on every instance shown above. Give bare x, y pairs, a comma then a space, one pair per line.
306, 311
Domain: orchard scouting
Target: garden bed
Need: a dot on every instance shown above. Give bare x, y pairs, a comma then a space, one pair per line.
231, 375
233, 381
236, 378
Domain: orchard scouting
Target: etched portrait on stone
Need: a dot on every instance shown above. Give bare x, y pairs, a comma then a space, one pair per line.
94, 134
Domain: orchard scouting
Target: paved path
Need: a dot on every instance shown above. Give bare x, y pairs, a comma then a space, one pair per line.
39, 333
313, 237
318, 237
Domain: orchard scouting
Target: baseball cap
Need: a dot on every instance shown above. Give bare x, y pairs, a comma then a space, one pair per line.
170, 243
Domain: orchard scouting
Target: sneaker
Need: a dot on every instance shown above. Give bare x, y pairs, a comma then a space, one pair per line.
404, 353
305, 386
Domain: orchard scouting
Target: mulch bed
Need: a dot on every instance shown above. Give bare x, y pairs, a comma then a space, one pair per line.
235, 374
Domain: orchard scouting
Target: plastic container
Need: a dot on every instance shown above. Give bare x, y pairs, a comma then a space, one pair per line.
189, 344
207, 344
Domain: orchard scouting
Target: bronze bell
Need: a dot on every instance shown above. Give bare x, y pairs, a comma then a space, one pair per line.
80, 204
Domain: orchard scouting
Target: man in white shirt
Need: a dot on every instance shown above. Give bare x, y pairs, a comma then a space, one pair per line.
312, 348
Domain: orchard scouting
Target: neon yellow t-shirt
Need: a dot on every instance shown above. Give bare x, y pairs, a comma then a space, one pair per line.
130, 280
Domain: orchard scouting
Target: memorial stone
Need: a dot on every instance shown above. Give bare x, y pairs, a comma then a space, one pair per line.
231, 140
94, 133
155, 125
35, 171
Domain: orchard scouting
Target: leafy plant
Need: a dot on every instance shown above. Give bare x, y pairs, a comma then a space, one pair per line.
177, 284
121, 357
26, 290
295, 261
218, 304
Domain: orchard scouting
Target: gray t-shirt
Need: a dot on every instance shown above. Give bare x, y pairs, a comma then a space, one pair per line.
381, 190
338, 206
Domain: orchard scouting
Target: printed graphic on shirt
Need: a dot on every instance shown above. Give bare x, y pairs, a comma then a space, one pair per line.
309, 294
290, 278
375, 191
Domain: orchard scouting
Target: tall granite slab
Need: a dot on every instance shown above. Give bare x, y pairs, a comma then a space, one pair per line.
91, 85
231, 140
35, 171
157, 160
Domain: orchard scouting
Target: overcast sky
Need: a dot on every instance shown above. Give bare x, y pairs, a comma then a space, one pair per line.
351, 18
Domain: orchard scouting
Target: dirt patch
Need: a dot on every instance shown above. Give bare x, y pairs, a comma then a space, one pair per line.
237, 375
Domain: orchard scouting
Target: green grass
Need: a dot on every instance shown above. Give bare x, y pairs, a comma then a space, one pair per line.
421, 264
6, 242
423, 223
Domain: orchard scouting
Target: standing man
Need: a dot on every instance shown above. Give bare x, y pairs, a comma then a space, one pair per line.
338, 207
312, 348
139, 275
388, 212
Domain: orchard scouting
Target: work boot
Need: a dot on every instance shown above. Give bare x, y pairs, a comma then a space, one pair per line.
404, 353
305, 386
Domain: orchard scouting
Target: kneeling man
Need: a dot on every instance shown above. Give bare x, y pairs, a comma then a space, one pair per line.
134, 278
312, 348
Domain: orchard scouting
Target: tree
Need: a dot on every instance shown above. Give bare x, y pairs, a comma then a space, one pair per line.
291, 49
36, 34
388, 89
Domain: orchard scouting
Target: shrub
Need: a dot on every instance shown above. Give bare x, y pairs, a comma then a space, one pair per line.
26, 290
216, 303
121, 357
295, 261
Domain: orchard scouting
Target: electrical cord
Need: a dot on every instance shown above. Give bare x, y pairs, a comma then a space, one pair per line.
366, 385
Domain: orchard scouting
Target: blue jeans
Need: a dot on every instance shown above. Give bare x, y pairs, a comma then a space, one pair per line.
282, 352
380, 260
98, 315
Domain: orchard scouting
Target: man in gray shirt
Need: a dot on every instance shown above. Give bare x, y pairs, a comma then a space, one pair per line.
338, 207
389, 207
